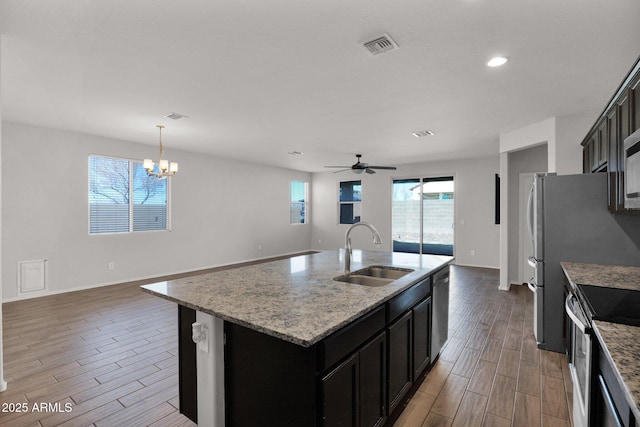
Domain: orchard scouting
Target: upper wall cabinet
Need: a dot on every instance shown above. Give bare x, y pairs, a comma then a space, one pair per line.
603, 146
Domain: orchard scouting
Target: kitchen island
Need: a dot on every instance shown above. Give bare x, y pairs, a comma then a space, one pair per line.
286, 339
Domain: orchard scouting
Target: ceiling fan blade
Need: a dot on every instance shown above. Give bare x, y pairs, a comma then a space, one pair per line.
391, 168
360, 167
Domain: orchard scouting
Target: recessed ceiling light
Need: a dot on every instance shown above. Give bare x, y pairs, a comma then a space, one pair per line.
421, 133
497, 61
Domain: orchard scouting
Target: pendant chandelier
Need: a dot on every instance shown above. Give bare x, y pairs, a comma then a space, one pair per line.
164, 168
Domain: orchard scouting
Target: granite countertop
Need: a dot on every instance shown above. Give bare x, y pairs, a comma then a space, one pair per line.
609, 276
622, 346
295, 299
621, 343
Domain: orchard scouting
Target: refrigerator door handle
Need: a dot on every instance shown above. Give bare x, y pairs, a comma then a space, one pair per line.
532, 262
531, 286
530, 212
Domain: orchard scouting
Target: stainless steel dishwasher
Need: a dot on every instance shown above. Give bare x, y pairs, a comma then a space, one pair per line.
440, 311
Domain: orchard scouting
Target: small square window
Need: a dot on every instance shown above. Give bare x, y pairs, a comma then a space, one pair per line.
298, 202
349, 205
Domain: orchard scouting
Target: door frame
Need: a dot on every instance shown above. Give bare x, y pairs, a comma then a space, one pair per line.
421, 177
525, 271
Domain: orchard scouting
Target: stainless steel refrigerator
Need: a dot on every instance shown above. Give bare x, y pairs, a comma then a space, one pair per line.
569, 221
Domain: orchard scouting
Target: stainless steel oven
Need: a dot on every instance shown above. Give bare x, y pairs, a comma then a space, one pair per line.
580, 360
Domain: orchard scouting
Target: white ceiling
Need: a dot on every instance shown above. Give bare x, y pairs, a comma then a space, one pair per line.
264, 77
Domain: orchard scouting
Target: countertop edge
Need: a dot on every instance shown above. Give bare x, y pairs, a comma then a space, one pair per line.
276, 334
621, 382
313, 338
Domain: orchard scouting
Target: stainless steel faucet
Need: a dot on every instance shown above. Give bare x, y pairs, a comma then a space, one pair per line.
347, 242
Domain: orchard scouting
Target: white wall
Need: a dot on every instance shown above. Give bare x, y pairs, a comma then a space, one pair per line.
474, 206
222, 212
3, 384
529, 136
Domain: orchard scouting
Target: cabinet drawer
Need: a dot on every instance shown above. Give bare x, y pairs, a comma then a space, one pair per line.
349, 338
408, 299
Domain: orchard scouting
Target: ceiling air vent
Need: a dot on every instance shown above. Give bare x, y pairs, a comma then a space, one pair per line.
380, 44
423, 133
176, 116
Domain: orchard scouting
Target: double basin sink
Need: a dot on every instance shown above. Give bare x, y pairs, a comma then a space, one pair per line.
375, 275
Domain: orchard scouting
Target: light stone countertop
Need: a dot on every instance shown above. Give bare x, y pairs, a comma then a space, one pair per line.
621, 344
609, 276
295, 299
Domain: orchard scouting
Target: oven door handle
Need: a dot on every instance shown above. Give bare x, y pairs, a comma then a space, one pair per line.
573, 316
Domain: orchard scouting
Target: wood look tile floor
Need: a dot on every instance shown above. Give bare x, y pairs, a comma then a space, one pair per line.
490, 373
110, 355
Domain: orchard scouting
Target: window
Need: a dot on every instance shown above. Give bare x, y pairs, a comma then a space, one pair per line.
349, 204
124, 199
298, 199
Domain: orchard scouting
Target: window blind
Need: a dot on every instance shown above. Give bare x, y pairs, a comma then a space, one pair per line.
112, 209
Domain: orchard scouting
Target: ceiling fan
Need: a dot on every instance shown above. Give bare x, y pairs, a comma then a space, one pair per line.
359, 167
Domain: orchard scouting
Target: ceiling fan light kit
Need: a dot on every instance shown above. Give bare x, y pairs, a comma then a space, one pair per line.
360, 167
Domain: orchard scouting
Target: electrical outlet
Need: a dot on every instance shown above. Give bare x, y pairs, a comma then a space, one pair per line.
473, 252
111, 265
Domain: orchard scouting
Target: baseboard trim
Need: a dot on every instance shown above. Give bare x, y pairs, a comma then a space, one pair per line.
510, 285
170, 276
476, 266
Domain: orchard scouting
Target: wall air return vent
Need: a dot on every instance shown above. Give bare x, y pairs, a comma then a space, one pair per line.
380, 44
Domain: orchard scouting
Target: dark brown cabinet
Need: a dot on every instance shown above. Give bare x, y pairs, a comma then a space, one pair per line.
400, 357
341, 395
373, 382
421, 337
613, 159
596, 149
353, 394
603, 145
634, 98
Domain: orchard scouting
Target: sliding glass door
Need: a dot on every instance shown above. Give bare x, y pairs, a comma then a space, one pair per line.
422, 215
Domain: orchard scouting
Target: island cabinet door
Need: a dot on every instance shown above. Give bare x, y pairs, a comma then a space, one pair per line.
373, 382
421, 342
400, 358
341, 395
354, 393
